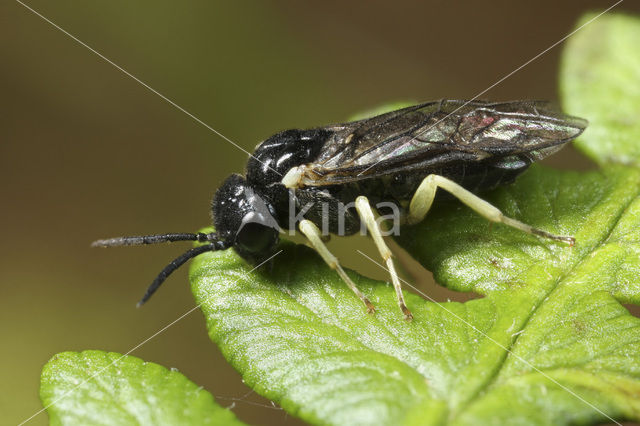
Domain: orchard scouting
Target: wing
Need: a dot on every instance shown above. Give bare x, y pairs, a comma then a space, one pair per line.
434, 134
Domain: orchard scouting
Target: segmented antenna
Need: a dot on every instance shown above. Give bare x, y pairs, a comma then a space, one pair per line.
175, 264
211, 238
154, 239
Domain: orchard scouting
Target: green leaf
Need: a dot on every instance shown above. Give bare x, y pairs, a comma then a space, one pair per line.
599, 80
549, 341
555, 308
300, 337
106, 388
381, 110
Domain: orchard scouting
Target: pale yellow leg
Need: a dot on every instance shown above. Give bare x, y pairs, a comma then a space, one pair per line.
313, 234
423, 198
366, 215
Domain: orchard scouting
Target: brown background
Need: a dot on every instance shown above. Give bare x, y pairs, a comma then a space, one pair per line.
86, 152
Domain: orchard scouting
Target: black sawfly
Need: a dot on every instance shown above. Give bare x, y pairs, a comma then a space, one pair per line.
400, 157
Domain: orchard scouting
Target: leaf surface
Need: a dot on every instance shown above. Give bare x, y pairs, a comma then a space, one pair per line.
599, 80
548, 343
106, 388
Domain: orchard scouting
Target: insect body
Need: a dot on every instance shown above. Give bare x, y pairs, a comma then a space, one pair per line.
308, 179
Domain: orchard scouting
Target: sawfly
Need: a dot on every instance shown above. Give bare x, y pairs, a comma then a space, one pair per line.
307, 180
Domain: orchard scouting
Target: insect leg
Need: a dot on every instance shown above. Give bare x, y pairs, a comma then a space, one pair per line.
311, 231
366, 215
422, 199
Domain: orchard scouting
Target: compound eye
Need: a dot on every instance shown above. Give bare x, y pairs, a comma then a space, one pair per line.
256, 238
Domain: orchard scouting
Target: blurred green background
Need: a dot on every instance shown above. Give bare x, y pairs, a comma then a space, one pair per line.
87, 152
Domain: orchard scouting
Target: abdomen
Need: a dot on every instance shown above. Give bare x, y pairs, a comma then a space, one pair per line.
400, 187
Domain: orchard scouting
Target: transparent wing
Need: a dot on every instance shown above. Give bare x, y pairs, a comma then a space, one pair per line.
437, 133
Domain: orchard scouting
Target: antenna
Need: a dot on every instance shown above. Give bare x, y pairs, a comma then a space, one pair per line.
212, 238
175, 264
154, 239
